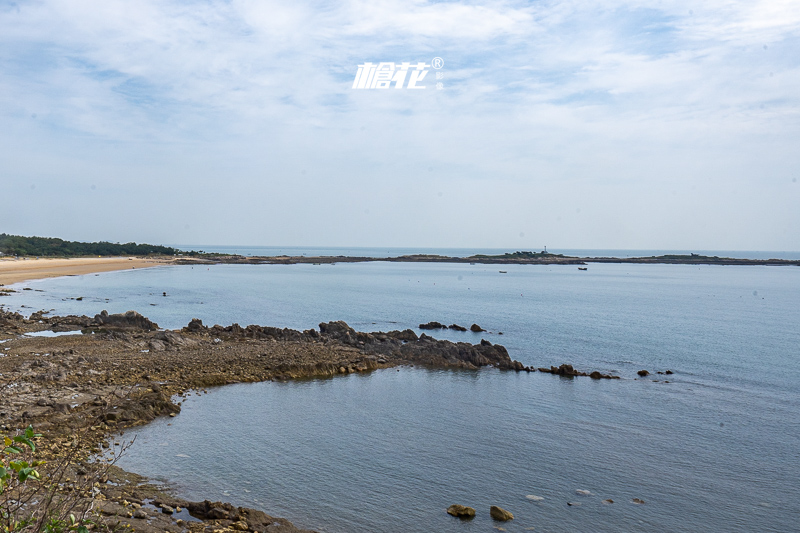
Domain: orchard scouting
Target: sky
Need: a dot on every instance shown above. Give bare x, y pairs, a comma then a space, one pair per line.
572, 124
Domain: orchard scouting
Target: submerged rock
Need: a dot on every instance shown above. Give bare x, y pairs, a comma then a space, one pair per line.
461, 511
457, 327
500, 514
643, 373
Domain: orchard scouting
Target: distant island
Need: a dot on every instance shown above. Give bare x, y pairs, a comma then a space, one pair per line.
15, 245
515, 258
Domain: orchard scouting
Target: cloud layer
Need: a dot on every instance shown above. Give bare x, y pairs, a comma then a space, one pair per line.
618, 124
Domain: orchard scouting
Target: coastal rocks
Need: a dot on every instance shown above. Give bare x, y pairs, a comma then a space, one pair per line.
475, 328
130, 320
196, 326
638, 501
432, 325
599, 375
569, 371
563, 370
500, 514
643, 373
457, 327
70, 323
170, 340
461, 511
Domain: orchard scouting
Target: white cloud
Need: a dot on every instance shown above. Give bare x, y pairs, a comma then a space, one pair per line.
252, 92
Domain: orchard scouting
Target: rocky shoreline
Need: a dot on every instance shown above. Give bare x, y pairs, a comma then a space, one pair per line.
123, 372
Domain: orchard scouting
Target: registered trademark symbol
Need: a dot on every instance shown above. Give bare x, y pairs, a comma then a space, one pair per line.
437, 63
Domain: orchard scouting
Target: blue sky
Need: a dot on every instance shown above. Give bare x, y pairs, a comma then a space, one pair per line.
573, 124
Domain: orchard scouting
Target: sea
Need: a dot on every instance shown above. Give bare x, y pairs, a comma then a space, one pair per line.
712, 446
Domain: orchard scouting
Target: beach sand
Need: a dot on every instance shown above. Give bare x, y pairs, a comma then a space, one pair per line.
16, 270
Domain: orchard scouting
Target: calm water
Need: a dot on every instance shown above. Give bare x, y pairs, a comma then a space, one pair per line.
715, 449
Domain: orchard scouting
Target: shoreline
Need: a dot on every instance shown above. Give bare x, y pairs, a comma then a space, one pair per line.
129, 372
17, 270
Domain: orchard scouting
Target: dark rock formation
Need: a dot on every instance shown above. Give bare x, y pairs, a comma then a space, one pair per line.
568, 371
130, 320
643, 373
432, 325
196, 326
461, 511
457, 327
563, 370
401, 346
598, 375
498, 513
476, 328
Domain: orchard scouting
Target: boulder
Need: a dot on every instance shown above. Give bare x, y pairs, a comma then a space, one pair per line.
461, 511
643, 373
432, 325
476, 328
457, 327
130, 319
196, 326
500, 514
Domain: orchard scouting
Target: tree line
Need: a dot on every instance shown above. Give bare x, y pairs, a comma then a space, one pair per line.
53, 247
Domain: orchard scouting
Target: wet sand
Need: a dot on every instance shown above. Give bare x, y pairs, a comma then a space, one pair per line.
17, 270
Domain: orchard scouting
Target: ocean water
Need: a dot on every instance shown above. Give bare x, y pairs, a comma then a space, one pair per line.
715, 449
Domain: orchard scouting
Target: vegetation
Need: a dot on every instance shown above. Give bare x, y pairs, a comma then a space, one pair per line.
519, 255
51, 247
38, 496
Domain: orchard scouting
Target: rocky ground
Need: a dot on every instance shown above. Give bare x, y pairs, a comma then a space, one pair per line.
127, 372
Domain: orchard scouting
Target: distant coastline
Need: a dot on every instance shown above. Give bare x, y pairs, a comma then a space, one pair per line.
520, 258
19, 269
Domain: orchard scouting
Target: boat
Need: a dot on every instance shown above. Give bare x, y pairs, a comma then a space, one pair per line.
583, 268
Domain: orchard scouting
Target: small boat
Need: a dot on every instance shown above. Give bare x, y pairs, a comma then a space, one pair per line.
504, 272
583, 268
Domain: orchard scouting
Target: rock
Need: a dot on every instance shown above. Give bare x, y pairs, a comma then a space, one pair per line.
638, 501
130, 319
196, 326
669, 372
608, 501
643, 373
461, 511
563, 370
457, 327
139, 513
498, 513
166, 509
476, 328
432, 325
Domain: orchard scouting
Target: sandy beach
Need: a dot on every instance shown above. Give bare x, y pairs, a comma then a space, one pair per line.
17, 270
